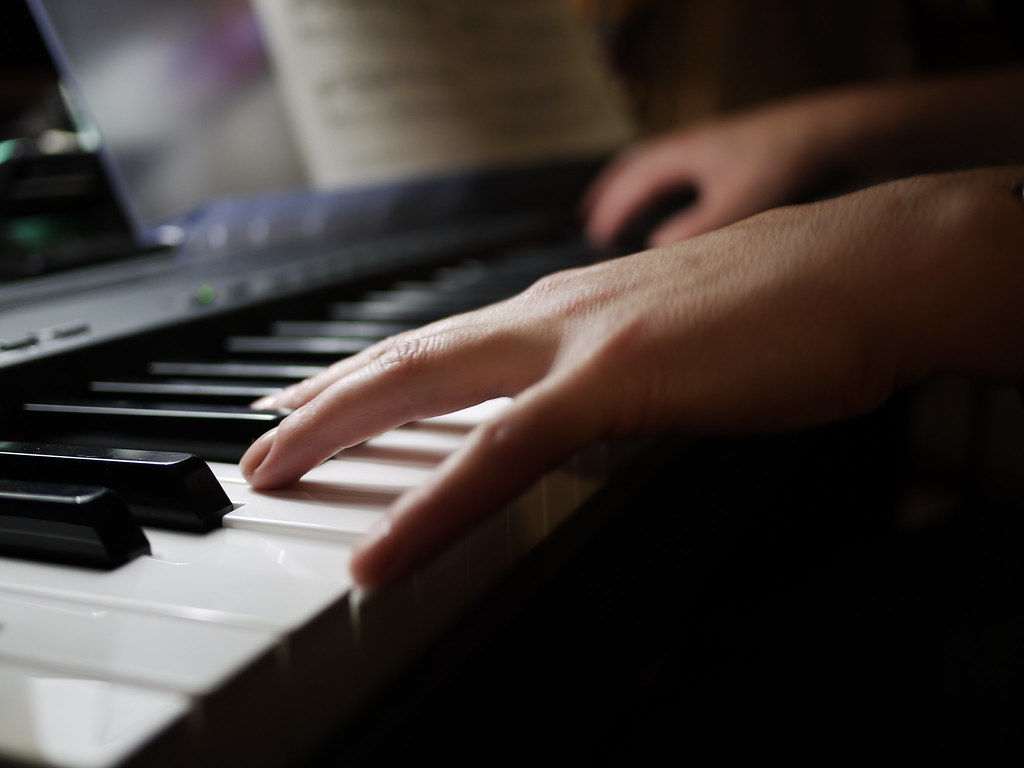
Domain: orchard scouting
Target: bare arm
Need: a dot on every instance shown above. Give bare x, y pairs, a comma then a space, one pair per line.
758, 159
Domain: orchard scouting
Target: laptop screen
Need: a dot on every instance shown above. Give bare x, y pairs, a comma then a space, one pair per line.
182, 95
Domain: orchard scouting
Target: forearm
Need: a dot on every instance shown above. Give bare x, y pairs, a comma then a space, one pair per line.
911, 127
966, 290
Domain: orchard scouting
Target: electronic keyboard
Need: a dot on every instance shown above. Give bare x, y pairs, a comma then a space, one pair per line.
153, 607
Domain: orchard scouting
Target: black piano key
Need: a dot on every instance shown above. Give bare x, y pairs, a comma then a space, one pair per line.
212, 432
68, 524
164, 490
453, 283
296, 345
207, 390
633, 237
459, 288
236, 369
396, 311
436, 296
354, 329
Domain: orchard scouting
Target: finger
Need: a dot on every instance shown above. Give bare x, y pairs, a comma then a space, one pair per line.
604, 178
302, 392
414, 377
632, 189
715, 210
500, 459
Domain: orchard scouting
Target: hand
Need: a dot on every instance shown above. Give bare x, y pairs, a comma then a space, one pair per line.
747, 163
736, 166
791, 318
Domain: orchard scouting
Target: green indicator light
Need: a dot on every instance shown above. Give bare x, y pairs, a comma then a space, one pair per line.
206, 294
8, 149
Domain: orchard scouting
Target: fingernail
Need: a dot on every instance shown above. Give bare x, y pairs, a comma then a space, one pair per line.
253, 459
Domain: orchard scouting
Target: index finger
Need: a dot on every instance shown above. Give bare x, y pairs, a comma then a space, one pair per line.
412, 377
631, 185
302, 392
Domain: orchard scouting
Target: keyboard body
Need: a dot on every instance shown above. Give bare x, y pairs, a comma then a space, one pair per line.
247, 642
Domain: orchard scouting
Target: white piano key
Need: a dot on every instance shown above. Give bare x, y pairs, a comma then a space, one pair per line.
441, 589
189, 657
357, 476
237, 577
407, 445
294, 587
304, 510
279, 569
216, 666
336, 502
50, 718
438, 591
470, 417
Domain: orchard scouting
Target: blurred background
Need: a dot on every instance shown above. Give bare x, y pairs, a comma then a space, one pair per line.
686, 59
673, 60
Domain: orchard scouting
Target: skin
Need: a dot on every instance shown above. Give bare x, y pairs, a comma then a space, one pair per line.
792, 317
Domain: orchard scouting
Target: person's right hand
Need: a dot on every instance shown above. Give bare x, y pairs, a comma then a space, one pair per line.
737, 167
793, 318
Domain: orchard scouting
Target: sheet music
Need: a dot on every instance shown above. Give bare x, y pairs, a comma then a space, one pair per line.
381, 89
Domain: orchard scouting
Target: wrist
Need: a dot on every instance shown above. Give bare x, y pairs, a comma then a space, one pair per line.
967, 257
838, 133
859, 130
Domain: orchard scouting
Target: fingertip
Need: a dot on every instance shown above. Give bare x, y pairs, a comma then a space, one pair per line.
283, 400
268, 403
606, 219
261, 468
256, 454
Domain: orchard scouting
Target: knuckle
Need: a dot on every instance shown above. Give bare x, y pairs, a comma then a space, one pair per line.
560, 296
554, 282
406, 355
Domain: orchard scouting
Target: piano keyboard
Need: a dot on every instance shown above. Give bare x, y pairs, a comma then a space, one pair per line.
247, 642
